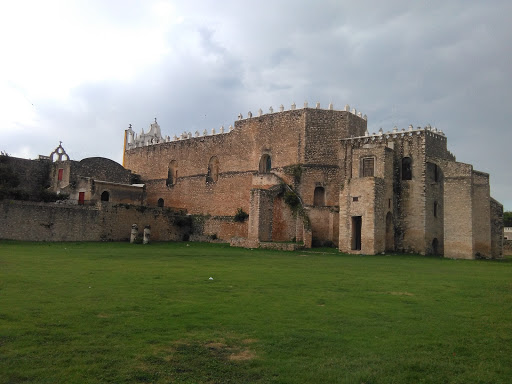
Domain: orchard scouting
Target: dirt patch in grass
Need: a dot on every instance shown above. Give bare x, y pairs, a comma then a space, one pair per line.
217, 361
242, 356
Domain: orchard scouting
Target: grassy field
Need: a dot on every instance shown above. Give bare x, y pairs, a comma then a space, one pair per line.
121, 313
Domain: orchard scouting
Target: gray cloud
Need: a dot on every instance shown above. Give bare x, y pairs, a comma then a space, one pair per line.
401, 63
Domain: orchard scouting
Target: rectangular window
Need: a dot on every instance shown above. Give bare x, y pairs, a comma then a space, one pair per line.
61, 172
367, 167
355, 198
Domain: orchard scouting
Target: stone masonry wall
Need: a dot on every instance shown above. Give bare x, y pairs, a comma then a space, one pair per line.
458, 210
55, 222
496, 229
481, 215
283, 136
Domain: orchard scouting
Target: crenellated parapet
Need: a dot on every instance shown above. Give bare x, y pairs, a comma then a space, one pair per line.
154, 136
395, 133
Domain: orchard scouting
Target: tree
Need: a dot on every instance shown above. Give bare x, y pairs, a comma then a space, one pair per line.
507, 219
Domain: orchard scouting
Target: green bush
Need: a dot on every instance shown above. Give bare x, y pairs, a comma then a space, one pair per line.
241, 216
50, 196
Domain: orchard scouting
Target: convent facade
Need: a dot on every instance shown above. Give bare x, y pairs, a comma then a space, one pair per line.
317, 176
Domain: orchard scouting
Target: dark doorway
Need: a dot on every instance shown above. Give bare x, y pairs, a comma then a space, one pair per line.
435, 246
265, 164
160, 202
319, 197
356, 232
81, 198
406, 168
105, 196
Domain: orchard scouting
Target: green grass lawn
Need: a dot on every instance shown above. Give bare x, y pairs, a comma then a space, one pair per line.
121, 313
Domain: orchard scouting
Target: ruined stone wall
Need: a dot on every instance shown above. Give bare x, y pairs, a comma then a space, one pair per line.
109, 222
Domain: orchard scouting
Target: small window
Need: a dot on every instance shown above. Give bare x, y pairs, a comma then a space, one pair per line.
436, 173
172, 173
406, 168
265, 164
160, 203
105, 196
355, 198
61, 172
319, 197
213, 170
435, 208
367, 167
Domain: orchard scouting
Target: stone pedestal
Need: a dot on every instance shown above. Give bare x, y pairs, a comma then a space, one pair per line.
147, 234
134, 233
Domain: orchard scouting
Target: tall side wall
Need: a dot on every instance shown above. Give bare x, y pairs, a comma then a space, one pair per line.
481, 215
458, 210
496, 229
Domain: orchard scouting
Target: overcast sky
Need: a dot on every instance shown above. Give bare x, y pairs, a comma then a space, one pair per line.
81, 71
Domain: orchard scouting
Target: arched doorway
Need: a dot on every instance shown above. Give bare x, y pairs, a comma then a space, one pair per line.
265, 164
435, 246
105, 196
319, 197
160, 202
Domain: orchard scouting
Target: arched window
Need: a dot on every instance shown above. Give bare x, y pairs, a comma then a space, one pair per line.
172, 173
406, 168
213, 170
160, 202
265, 164
319, 197
105, 196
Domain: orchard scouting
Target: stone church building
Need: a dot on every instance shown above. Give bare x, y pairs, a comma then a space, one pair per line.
318, 177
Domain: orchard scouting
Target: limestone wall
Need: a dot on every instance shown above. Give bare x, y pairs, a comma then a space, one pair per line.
481, 215
303, 146
56, 222
458, 210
